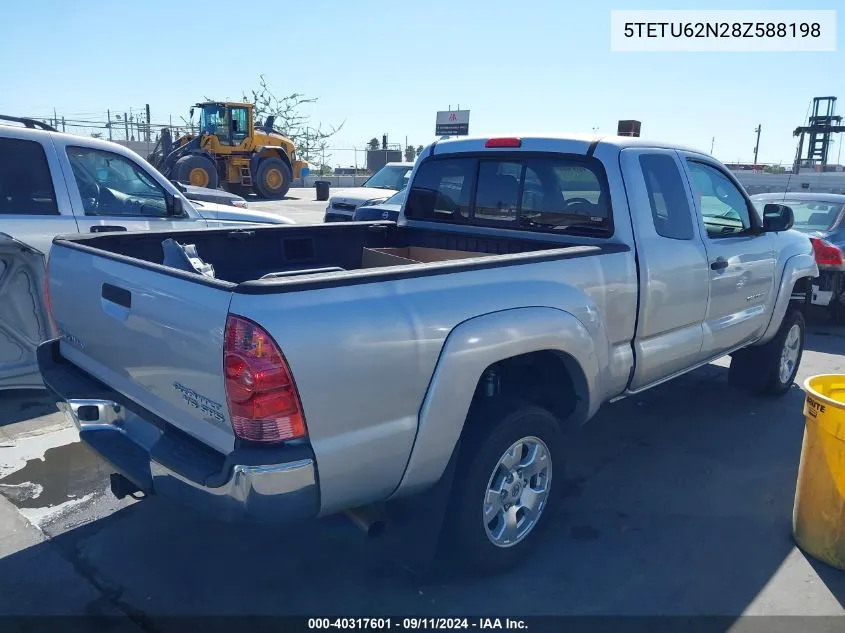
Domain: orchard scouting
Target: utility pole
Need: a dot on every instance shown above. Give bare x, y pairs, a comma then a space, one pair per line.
55, 118
148, 123
63, 123
757, 146
108, 125
126, 125
712, 143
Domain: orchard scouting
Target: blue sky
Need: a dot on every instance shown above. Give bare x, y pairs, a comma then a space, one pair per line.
387, 67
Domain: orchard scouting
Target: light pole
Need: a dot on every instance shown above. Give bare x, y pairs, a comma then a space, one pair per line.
757, 146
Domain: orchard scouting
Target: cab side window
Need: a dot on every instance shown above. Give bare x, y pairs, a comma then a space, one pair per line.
26, 187
723, 207
667, 196
239, 125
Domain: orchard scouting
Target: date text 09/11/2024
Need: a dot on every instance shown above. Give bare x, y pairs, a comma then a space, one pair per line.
413, 624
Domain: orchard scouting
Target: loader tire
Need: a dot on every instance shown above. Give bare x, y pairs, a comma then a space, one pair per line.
272, 179
197, 171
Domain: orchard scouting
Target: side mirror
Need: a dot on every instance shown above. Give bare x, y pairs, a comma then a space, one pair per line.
777, 217
175, 208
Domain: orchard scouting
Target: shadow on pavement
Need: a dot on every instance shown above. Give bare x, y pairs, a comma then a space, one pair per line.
19, 405
678, 502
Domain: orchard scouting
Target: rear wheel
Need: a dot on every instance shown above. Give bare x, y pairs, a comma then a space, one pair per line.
770, 369
198, 171
509, 471
272, 179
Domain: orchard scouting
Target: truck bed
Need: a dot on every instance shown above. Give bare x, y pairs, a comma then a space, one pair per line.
319, 255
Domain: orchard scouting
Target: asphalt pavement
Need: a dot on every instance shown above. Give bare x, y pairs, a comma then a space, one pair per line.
678, 502
300, 205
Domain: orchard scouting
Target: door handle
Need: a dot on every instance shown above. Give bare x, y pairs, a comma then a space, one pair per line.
719, 264
106, 228
117, 295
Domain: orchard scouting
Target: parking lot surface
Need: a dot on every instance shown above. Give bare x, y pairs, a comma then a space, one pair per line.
678, 502
300, 205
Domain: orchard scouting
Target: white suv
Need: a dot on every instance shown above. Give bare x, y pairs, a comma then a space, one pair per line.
388, 180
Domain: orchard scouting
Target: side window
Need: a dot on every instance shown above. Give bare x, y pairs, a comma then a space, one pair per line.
25, 184
723, 207
441, 190
239, 125
110, 184
497, 197
670, 209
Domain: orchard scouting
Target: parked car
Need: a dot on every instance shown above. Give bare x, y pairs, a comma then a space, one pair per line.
821, 216
387, 210
52, 184
300, 371
376, 189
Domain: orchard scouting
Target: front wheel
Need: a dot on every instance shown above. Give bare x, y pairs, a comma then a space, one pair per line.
272, 178
771, 368
509, 471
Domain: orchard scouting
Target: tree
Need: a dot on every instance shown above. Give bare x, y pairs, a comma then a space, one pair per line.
373, 144
290, 120
410, 154
419, 150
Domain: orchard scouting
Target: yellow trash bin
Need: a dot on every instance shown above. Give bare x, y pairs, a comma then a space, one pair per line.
818, 516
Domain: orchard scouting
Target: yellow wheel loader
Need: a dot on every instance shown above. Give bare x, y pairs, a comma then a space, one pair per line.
230, 151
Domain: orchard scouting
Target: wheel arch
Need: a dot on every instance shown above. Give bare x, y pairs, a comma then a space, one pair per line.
552, 342
798, 272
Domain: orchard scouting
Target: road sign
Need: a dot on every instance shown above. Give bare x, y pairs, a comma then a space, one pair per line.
452, 123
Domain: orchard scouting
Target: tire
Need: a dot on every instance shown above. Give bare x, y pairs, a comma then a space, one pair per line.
495, 428
272, 178
837, 311
196, 170
770, 369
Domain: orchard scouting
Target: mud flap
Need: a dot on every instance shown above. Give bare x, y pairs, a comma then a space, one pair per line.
24, 322
414, 525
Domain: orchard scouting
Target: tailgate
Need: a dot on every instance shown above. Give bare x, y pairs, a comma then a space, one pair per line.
155, 337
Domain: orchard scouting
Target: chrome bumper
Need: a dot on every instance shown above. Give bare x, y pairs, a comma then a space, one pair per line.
264, 493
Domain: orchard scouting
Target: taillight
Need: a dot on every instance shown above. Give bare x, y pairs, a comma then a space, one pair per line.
827, 254
503, 142
263, 403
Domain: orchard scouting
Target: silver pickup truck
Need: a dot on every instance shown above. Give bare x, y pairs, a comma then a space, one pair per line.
300, 371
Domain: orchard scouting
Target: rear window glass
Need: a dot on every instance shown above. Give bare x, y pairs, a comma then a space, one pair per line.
553, 193
442, 190
25, 184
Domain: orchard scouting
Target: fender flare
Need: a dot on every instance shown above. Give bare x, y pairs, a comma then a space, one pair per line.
795, 268
470, 348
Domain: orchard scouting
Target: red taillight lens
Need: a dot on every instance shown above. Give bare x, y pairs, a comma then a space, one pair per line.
503, 142
263, 403
826, 253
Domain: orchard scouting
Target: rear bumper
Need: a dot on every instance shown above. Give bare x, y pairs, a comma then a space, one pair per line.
828, 287
251, 484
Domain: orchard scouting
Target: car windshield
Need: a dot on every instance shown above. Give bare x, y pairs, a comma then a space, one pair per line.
397, 198
389, 177
810, 215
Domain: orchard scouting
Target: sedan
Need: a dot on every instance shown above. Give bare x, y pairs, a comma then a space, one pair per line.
822, 217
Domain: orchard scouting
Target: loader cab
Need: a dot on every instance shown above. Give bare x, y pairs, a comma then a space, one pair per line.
231, 123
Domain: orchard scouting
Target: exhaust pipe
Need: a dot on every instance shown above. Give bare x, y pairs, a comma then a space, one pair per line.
368, 520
